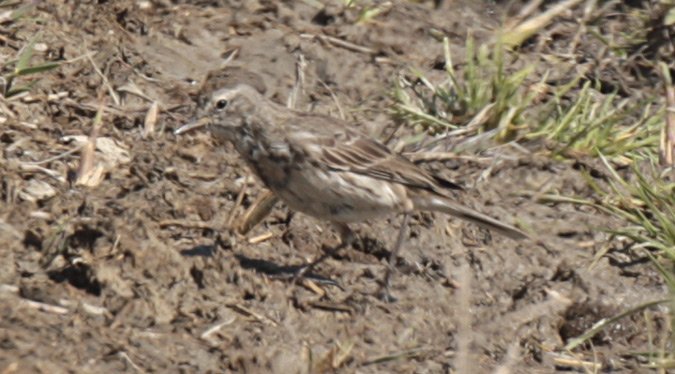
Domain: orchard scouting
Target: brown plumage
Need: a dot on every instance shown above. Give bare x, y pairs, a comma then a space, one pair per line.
325, 168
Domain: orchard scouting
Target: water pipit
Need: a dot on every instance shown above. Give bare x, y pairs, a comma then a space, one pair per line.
324, 167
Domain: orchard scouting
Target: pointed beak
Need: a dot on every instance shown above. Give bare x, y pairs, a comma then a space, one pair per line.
193, 125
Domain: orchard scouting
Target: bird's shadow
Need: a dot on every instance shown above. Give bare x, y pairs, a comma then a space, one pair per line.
266, 267
273, 270
199, 251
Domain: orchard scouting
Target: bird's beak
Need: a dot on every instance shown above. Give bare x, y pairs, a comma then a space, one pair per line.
193, 125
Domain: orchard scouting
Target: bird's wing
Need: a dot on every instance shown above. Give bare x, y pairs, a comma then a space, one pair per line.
340, 148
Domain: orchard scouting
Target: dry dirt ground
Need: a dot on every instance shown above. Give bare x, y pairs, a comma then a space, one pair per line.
140, 272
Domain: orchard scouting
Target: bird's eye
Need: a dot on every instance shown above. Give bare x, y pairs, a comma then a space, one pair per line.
221, 104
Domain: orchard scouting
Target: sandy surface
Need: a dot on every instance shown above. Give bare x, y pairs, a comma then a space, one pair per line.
126, 276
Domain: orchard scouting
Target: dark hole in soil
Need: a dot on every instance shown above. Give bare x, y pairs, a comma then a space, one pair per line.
79, 276
85, 237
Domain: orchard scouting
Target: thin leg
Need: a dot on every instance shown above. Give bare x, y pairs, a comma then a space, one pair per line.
392, 258
346, 239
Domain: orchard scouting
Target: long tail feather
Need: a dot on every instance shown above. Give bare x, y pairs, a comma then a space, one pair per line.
447, 206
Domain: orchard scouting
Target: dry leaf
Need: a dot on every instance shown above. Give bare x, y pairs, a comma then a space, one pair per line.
112, 152
93, 177
36, 190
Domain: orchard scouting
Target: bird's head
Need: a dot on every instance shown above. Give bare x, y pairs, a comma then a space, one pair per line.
226, 107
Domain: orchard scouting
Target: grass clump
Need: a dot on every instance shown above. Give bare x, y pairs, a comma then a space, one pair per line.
593, 124
572, 122
487, 94
647, 204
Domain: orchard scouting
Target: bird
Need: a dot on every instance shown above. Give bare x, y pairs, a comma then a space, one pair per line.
326, 168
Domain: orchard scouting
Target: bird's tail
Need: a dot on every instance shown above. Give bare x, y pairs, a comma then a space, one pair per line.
447, 206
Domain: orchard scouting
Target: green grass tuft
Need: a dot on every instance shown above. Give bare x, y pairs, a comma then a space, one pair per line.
483, 91
21, 68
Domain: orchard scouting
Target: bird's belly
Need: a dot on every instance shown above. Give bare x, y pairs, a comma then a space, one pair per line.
341, 196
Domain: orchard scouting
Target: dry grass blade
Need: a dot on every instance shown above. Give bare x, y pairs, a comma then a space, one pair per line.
49, 308
87, 158
237, 204
257, 212
260, 238
523, 13
331, 306
106, 82
667, 143
259, 317
212, 330
341, 43
518, 34
409, 354
45, 307
574, 362
189, 224
88, 173
313, 287
150, 120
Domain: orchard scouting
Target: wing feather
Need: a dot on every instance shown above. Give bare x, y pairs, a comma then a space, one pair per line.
363, 155
338, 147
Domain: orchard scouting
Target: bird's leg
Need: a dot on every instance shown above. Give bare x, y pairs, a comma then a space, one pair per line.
392, 258
347, 238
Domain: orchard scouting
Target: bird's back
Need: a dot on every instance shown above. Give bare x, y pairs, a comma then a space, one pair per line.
339, 146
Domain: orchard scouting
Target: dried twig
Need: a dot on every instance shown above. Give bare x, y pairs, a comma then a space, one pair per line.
260, 238
335, 307
518, 34
332, 94
45, 307
262, 318
39, 169
257, 212
207, 334
341, 43
189, 224
111, 90
237, 204
128, 359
